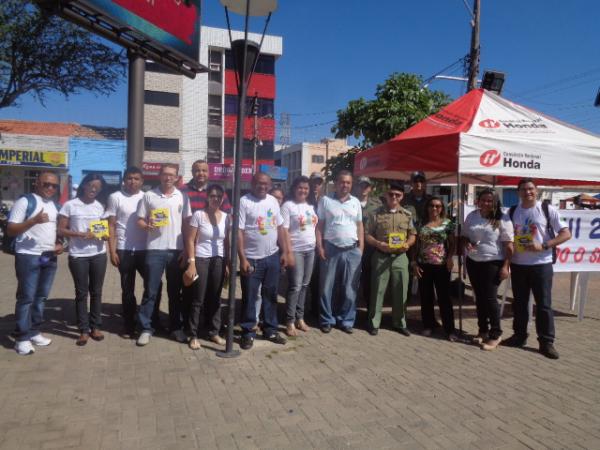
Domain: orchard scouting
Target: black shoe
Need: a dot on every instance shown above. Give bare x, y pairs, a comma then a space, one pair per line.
347, 330
374, 331
246, 342
326, 328
276, 339
515, 341
403, 331
547, 349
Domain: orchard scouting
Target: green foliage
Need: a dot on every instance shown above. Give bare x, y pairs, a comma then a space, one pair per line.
40, 54
399, 103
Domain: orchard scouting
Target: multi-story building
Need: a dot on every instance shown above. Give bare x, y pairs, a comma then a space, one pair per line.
307, 157
186, 120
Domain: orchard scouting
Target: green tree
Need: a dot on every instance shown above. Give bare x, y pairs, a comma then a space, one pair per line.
41, 53
399, 103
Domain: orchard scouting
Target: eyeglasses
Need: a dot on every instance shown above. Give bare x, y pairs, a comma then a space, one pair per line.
394, 194
436, 206
47, 185
215, 197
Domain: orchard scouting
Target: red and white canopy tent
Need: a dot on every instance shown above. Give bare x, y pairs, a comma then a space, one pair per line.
484, 138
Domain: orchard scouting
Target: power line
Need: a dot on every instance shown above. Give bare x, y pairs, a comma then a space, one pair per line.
544, 87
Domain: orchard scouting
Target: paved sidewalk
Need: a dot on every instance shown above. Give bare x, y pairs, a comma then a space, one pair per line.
319, 391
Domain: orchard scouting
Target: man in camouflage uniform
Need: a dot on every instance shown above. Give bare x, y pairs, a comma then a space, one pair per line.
390, 232
415, 200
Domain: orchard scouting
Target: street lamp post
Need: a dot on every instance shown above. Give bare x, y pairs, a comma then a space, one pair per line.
245, 56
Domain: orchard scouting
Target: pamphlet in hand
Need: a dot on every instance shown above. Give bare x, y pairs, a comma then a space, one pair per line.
397, 240
99, 228
522, 240
160, 217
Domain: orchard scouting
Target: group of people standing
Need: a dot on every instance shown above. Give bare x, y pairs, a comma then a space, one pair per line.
336, 246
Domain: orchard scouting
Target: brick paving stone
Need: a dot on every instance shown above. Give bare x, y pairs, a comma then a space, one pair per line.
318, 391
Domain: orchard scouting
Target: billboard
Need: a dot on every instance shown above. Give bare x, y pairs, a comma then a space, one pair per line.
174, 24
165, 31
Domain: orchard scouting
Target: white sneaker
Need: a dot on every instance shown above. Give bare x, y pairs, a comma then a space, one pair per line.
144, 338
24, 348
41, 341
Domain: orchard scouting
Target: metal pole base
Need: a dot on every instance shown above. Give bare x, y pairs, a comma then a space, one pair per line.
226, 354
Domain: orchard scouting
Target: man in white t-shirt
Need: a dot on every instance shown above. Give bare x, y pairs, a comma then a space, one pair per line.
33, 222
127, 244
531, 266
161, 214
340, 244
259, 234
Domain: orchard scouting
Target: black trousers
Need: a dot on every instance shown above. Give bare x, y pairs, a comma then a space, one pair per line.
130, 263
536, 279
438, 277
485, 279
88, 276
205, 305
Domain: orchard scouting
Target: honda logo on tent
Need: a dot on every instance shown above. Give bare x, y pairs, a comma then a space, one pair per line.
363, 163
489, 123
490, 158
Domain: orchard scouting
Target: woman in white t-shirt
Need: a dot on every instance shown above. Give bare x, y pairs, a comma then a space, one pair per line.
87, 253
487, 236
208, 240
299, 222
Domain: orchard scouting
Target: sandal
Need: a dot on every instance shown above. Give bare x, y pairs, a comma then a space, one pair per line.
301, 325
290, 329
195, 344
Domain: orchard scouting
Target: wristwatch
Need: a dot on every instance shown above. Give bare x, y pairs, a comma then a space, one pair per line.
545, 246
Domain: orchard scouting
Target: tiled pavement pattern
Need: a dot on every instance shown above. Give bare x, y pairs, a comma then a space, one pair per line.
319, 391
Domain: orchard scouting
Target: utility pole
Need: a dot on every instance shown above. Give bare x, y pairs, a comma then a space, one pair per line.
255, 138
474, 54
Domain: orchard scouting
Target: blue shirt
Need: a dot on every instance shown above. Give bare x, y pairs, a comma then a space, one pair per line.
340, 219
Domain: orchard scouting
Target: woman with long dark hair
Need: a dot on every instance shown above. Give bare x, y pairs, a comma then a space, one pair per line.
208, 240
432, 266
87, 253
487, 237
299, 224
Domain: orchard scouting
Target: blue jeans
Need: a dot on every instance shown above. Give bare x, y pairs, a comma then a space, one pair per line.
266, 271
298, 280
157, 262
35, 279
340, 276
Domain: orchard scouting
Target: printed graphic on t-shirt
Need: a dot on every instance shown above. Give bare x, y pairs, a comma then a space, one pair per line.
160, 217
99, 228
524, 235
266, 224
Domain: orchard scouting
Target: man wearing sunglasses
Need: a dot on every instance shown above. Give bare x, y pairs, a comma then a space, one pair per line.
33, 222
391, 232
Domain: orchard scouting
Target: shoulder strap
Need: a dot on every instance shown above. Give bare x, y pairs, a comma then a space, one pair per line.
546, 210
511, 211
31, 204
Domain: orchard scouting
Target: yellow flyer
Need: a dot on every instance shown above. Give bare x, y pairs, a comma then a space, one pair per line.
160, 217
99, 228
522, 240
397, 240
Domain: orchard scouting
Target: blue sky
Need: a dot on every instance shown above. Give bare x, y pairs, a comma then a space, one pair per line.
336, 51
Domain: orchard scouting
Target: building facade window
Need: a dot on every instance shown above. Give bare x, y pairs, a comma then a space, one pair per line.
213, 150
215, 111
318, 159
266, 106
215, 66
161, 98
156, 144
265, 64
263, 152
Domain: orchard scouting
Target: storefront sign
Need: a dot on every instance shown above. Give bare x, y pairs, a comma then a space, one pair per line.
224, 172
276, 173
33, 158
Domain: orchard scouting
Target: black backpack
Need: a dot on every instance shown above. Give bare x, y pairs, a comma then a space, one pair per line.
8, 242
549, 229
